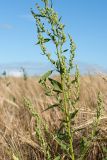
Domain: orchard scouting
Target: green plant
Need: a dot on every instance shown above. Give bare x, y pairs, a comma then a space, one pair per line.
42, 133
40, 126
86, 142
61, 90
105, 152
50, 30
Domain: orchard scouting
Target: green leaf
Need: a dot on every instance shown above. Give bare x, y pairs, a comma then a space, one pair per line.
36, 15
63, 121
60, 19
73, 81
39, 15
48, 93
57, 158
65, 50
45, 76
51, 106
56, 85
73, 114
104, 149
62, 144
58, 64
84, 144
63, 136
60, 129
38, 43
46, 40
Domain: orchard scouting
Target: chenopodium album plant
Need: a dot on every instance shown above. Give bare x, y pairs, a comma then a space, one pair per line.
65, 90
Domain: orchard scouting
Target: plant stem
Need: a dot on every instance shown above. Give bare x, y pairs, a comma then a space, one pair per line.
68, 124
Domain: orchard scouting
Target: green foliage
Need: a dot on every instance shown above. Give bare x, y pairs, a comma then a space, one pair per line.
105, 152
50, 29
62, 90
86, 143
39, 127
57, 158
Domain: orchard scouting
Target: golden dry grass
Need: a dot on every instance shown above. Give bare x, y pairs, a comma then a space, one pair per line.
17, 134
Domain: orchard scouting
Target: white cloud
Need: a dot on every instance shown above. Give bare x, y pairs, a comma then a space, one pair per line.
6, 26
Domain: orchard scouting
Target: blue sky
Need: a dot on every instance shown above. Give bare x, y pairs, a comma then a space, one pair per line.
86, 21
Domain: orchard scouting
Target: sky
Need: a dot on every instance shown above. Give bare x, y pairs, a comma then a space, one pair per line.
86, 21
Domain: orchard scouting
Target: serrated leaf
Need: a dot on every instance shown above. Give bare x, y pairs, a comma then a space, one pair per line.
51, 106
56, 85
73, 114
45, 76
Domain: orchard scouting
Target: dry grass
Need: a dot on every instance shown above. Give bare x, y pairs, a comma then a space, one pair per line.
17, 134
